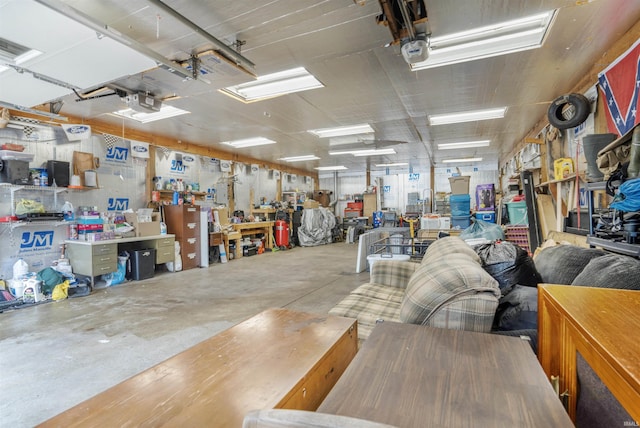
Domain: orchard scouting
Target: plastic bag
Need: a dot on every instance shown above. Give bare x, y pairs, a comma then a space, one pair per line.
50, 278
117, 277
26, 206
628, 197
508, 264
482, 229
60, 291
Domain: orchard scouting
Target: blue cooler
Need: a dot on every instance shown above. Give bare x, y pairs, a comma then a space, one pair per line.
488, 216
460, 205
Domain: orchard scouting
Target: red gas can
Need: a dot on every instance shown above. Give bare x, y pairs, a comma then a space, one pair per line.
282, 233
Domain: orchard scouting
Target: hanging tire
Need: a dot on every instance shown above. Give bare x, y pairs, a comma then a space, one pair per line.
568, 111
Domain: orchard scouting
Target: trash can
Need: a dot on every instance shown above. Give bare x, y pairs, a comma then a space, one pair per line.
142, 264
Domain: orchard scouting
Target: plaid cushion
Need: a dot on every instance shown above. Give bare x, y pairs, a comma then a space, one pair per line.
447, 246
367, 310
392, 273
455, 292
380, 292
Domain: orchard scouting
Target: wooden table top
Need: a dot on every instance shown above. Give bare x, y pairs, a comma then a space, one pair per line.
253, 365
417, 376
253, 225
609, 319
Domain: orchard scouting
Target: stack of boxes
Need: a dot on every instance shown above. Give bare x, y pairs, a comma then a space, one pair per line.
486, 202
460, 202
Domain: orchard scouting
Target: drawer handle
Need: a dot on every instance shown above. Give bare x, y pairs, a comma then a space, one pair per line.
191, 225
105, 259
191, 255
191, 240
105, 268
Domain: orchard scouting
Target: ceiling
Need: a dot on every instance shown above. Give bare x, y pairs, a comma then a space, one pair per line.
366, 78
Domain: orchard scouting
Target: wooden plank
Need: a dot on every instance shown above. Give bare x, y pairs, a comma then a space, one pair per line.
546, 214
417, 376
277, 358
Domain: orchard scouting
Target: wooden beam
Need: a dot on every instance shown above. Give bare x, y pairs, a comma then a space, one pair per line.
170, 143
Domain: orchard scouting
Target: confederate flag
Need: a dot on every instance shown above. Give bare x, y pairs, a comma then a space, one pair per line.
620, 85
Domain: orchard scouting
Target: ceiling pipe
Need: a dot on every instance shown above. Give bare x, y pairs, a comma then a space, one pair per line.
76, 15
223, 48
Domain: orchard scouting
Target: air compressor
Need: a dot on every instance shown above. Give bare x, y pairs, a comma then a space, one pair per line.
282, 234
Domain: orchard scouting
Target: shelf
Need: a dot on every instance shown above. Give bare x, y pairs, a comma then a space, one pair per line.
30, 187
632, 250
20, 223
568, 178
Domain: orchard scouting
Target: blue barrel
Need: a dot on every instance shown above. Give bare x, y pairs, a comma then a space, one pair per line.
377, 218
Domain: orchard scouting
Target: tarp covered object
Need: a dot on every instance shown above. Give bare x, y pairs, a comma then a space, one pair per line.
316, 227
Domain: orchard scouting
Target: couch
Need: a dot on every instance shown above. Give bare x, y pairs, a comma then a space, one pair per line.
448, 289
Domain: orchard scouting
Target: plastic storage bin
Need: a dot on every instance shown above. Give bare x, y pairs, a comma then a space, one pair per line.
460, 205
142, 264
460, 222
459, 185
517, 213
489, 216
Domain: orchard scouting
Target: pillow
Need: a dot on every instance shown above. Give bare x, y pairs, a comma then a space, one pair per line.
611, 271
562, 264
449, 245
456, 290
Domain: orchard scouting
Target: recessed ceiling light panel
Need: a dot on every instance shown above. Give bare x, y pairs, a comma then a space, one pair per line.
299, 158
248, 142
467, 116
274, 85
165, 112
461, 160
341, 131
464, 145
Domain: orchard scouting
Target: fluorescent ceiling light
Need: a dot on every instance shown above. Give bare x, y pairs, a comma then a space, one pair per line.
165, 112
15, 53
366, 152
299, 158
248, 142
331, 168
392, 164
485, 42
463, 145
274, 85
340, 131
462, 160
467, 116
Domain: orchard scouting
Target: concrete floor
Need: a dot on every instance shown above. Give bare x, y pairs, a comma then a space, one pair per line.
55, 355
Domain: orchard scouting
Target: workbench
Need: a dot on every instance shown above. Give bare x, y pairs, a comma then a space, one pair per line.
101, 257
255, 227
276, 359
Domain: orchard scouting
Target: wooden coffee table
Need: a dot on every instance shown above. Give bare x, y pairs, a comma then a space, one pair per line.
277, 359
417, 376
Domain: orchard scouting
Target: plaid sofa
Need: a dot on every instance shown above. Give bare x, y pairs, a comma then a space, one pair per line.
447, 289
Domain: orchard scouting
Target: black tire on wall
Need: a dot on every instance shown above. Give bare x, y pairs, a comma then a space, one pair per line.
581, 110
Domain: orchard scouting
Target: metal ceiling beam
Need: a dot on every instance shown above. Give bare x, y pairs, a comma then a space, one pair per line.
223, 48
104, 29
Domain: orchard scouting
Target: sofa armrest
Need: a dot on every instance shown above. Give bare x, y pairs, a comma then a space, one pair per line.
392, 273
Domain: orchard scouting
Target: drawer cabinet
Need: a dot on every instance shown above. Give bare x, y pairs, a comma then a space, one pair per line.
183, 221
100, 259
165, 250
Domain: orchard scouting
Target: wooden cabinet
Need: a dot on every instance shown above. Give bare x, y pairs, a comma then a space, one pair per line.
369, 205
183, 221
600, 324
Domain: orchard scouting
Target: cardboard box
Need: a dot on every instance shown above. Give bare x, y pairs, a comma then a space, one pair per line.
150, 228
310, 203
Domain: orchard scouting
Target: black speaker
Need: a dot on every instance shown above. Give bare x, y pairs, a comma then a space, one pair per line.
58, 171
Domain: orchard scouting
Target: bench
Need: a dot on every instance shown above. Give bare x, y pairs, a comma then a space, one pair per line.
276, 359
